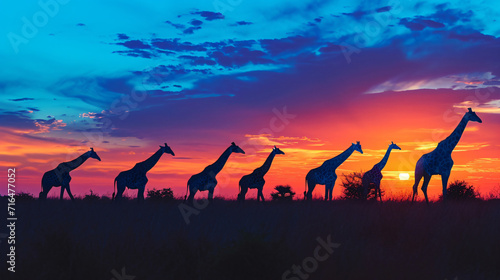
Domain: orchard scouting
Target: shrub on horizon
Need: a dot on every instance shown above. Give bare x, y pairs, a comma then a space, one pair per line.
165, 194
91, 197
460, 190
24, 196
353, 187
283, 193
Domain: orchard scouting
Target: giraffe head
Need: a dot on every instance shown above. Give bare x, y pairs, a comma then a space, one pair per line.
394, 146
471, 116
93, 154
167, 150
236, 149
357, 147
277, 151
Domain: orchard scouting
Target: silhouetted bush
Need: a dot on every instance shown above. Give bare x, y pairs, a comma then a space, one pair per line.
160, 195
460, 190
91, 197
283, 193
24, 196
353, 187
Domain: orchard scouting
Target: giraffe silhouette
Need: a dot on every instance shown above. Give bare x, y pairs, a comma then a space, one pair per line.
325, 174
255, 180
205, 180
371, 179
135, 178
439, 162
59, 176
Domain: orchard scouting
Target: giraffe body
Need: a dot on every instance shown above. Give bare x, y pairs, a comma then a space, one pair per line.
205, 180
373, 177
325, 174
136, 178
59, 176
255, 180
439, 161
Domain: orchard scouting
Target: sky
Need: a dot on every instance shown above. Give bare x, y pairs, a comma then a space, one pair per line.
310, 77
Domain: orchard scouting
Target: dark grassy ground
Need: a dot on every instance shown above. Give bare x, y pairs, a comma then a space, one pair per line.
226, 240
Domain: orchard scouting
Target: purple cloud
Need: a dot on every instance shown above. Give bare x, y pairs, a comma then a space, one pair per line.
135, 44
122, 36
196, 22
209, 15
22, 99
419, 24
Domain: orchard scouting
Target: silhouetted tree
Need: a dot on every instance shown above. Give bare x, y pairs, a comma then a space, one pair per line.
353, 187
460, 190
91, 197
282, 193
164, 194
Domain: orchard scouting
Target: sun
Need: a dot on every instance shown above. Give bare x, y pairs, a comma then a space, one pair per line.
404, 176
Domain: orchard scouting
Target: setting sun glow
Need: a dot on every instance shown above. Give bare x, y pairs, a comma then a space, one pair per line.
404, 176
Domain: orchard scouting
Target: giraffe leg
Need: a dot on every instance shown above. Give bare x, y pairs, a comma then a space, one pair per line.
444, 179
310, 188
427, 179
365, 184
379, 192
62, 192
65, 186
120, 188
311, 184
260, 195
192, 192
259, 190
418, 177
140, 194
243, 192
333, 185
68, 190
44, 192
210, 194
328, 191
419, 173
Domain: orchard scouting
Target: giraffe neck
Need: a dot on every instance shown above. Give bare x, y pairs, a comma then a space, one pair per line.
217, 166
151, 161
338, 160
383, 162
70, 165
451, 141
267, 164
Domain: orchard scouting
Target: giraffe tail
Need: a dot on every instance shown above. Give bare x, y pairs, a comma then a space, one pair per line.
305, 190
114, 191
187, 189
